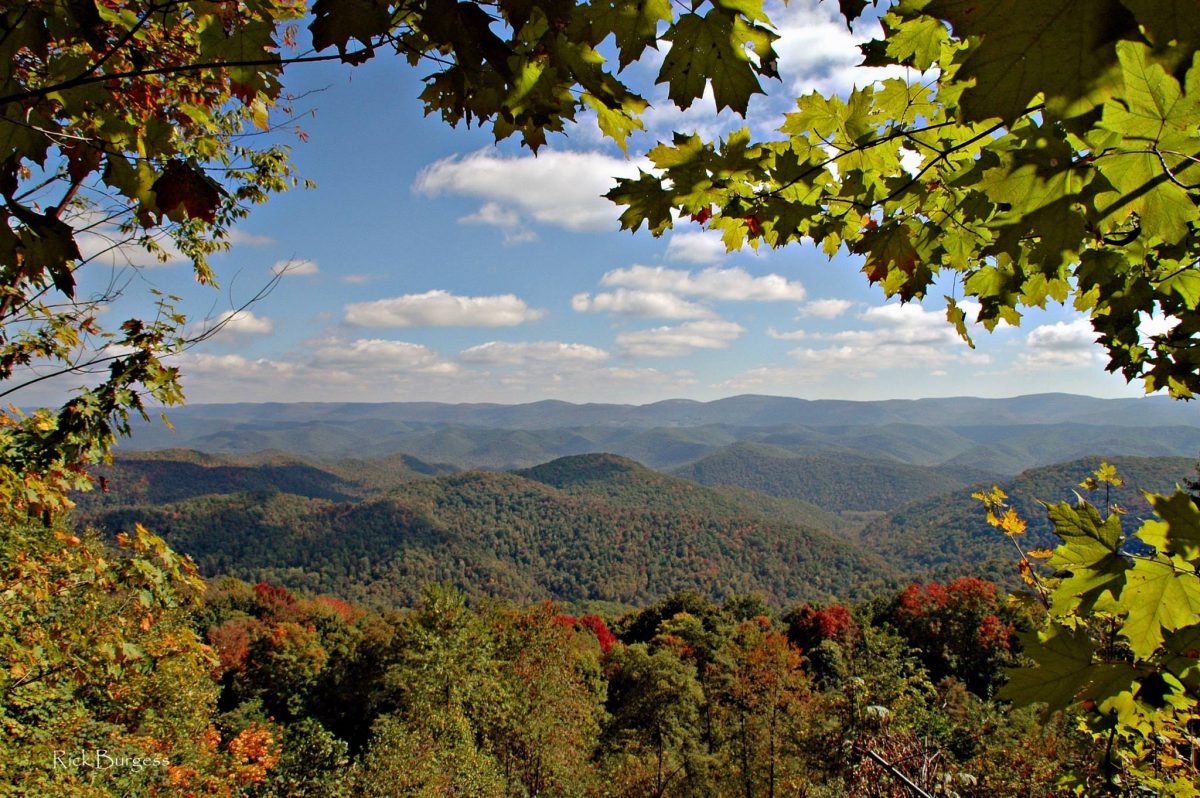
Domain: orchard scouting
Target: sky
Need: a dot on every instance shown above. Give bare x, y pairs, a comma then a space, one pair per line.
430, 263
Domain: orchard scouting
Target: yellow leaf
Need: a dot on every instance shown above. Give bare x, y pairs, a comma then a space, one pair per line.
1012, 524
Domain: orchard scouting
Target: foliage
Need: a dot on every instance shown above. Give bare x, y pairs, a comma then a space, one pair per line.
617, 532
1120, 640
98, 660
1037, 151
963, 628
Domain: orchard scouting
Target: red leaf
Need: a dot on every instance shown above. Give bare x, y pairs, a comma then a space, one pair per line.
187, 189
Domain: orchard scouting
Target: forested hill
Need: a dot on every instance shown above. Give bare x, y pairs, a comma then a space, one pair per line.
151, 478
948, 534
595, 528
832, 480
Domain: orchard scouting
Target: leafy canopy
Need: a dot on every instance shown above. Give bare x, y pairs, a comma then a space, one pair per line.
1039, 150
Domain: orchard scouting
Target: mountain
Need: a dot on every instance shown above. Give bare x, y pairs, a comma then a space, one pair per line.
833, 481
585, 528
172, 475
988, 436
949, 536
749, 411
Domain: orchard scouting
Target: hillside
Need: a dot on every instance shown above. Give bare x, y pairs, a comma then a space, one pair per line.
590, 528
172, 475
834, 481
949, 536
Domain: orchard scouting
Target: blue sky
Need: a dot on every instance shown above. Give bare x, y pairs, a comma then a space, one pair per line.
432, 264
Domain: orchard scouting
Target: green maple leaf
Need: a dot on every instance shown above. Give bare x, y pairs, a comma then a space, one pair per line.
1159, 596
1182, 657
1153, 107
703, 50
1141, 186
1065, 673
336, 22
888, 249
1060, 49
1165, 20
1178, 533
915, 41
634, 25
1184, 283
1089, 558
647, 202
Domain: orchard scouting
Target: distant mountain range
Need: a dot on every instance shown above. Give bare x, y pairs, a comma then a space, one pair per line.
972, 437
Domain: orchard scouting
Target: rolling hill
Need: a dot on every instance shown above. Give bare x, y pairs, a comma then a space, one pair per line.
948, 535
586, 528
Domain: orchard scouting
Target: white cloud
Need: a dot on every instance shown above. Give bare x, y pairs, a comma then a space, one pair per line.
295, 267
679, 340
507, 219
238, 236
442, 309
513, 353
561, 188
817, 51
696, 247
356, 279
101, 242
384, 355
495, 214
901, 337
1064, 344
826, 308
795, 335
640, 304
237, 322
711, 283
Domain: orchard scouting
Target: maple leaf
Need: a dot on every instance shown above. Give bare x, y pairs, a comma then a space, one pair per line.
183, 190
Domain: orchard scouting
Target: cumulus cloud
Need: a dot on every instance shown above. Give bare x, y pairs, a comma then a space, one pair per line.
640, 304
238, 236
826, 308
495, 214
817, 51
795, 335
237, 322
1064, 344
561, 188
901, 336
378, 353
295, 267
514, 353
710, 283
696, 247
507, 219
442, 309
328, 370
679, 340
104, 242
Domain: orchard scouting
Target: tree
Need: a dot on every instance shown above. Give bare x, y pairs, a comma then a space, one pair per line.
655, 702
1041, 151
